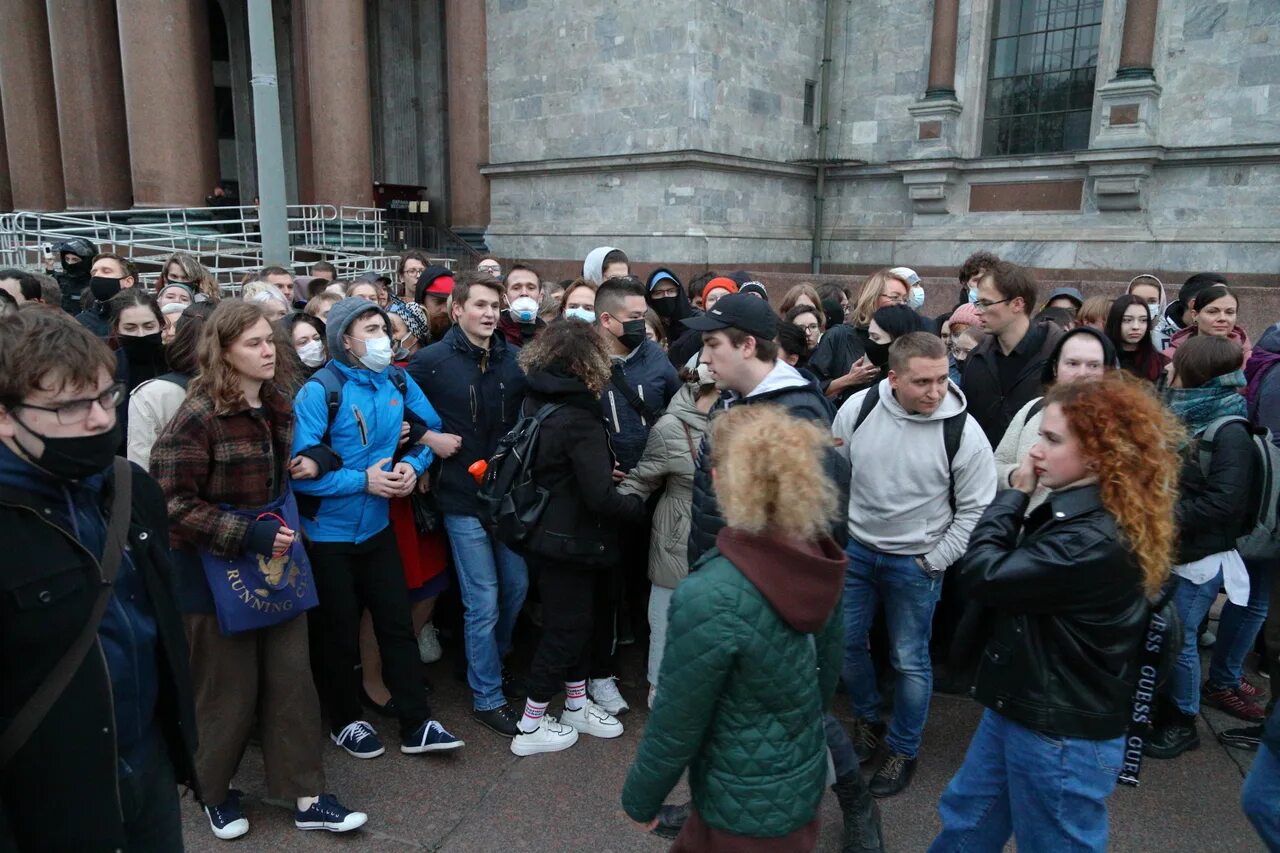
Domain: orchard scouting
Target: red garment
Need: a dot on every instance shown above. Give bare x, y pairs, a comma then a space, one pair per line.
423, 556
697, 837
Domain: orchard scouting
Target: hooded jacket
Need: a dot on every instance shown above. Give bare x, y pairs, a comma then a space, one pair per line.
900, 502
648, 373
429, 275
680, 310
990, 404
784, 386
365, 431
593, 266
1236, 334
754, 646
574, 463
667, 466
1264, 382
477, 393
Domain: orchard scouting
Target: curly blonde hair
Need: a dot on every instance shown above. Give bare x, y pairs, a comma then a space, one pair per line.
770, 472
869, 296
1133, 440
573, 348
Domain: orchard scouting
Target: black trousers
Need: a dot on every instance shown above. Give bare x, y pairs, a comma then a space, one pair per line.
350, 579
149, 800
578, 607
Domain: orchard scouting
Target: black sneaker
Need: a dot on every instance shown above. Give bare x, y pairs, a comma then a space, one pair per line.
893, 777
866, 739
502, 720
1172, 740
1248, 737
513, 687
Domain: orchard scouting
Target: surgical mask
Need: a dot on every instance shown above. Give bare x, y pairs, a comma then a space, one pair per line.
75, 458
103, 288
377, 354
1153, 310
312, 353
916, 301
524, 309
973, 295
585, 314
633, 333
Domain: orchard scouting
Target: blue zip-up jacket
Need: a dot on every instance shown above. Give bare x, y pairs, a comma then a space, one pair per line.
478, 393
366, 429
647, 372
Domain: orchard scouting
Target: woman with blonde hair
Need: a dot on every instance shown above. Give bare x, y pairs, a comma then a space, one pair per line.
753, 648
840, 360
181, 268
267, 296
1069, 590
1093, 312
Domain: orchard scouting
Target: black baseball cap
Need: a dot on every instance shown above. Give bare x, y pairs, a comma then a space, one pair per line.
740, 311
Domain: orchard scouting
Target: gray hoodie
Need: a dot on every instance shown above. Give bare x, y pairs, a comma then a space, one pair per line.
341, 316
593, 266
899, 497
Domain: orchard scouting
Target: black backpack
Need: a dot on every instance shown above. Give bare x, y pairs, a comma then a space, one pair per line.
952, 434
510, 501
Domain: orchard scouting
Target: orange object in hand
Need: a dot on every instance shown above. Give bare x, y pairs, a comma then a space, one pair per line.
476, 469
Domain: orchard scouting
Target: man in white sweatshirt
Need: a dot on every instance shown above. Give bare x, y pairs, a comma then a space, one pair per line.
923, 473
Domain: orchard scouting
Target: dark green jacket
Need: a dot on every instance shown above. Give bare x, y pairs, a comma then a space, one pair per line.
740, 704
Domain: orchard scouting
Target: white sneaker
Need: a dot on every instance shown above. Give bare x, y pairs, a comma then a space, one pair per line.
429, 650
549, 736
593, 720
604, 692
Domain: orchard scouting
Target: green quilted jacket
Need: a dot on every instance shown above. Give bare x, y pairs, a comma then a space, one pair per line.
743, 692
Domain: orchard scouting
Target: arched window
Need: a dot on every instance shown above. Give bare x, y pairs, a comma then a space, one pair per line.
1044, 58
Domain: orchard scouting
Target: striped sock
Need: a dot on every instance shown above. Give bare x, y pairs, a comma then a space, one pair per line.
533, 714
575, 695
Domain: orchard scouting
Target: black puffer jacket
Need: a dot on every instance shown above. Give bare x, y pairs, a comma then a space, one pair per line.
839, 348
1212, 513
574, 462
1067, 611
801, 400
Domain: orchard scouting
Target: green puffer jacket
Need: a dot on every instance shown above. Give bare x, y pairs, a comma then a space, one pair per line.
744, 688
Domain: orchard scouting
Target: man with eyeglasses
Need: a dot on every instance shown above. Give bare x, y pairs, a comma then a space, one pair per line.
99, 720
1002, 374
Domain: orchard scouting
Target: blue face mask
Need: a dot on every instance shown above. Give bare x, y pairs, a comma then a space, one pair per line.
916, 300
581, 314
973, 295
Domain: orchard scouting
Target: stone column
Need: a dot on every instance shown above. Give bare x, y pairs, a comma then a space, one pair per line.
90, 97
1138, 42
338, 86
468, 93
168, 99
6, 187
30, 108
942, 50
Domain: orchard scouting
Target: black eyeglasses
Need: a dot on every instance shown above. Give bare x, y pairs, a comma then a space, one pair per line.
982, 305
76, 411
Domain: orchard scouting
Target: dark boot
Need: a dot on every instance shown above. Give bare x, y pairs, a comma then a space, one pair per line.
861, 816
1172, 739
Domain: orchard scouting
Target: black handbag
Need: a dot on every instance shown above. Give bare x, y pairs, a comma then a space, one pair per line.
427, 517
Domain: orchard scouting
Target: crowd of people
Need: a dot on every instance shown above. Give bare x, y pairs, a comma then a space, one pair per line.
807, 498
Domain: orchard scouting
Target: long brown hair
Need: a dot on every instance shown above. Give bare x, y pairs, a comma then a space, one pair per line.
1132, 439
217, 378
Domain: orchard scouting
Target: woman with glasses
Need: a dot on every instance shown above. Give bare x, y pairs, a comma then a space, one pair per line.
840, 359
811, 321
1129, 330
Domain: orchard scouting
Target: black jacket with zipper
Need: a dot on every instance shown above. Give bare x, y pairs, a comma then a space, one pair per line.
1213, 512
993, 406
477, 393
61, 790
574, 462
1067, 614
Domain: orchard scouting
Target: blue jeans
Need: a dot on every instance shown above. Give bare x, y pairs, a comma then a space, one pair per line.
1239, 626
1261, 797
1192, 602
909, 597
1049, 792
493, 581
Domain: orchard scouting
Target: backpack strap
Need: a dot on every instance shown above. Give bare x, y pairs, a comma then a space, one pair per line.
952, 435
1036, 408
398, 380
642, 407
331, 380
869, 402
1204, 447
179, 379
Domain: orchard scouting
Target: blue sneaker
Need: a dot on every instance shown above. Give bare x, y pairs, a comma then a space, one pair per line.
226, 819
329, 814
359, 739
430, 737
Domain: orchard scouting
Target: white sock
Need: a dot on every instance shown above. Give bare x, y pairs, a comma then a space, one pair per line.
533, 714
575, 695
305, 803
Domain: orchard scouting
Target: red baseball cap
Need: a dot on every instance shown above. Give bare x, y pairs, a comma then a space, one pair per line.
442, 286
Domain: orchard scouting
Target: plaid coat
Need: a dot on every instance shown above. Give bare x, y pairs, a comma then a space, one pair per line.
204, 460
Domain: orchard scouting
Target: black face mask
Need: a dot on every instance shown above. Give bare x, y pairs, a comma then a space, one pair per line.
79, 269
665, 307
75, 458
877, 354
632, 333
103, 288
142, 347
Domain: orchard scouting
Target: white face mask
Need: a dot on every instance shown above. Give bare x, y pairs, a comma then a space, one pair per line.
377, 354
581, 314
524, 309
1153, 310
312, 353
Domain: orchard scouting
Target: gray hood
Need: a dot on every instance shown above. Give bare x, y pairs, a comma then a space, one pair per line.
682, 407
953, 404
593, 266
341, 316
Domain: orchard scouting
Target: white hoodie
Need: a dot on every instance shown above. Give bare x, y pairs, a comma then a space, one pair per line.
899, 496
593, 266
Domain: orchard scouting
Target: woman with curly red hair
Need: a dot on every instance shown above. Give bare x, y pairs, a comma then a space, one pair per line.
1068, 588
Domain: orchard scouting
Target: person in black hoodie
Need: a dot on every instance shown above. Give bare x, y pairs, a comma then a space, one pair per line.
77, 257
669, 300
136, 331
575, 540
432, 292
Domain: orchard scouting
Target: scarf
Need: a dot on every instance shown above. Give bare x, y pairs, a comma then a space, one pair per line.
1218, 398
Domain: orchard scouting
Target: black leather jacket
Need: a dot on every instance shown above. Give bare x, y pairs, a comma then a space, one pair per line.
1067, 613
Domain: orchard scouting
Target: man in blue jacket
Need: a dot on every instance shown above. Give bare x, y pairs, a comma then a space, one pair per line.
352, 548
472, 378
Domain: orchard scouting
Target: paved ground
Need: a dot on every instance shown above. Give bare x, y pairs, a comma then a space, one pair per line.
485, 799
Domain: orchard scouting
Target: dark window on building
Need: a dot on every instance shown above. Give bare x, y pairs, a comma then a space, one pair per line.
1044, 62
810, 88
